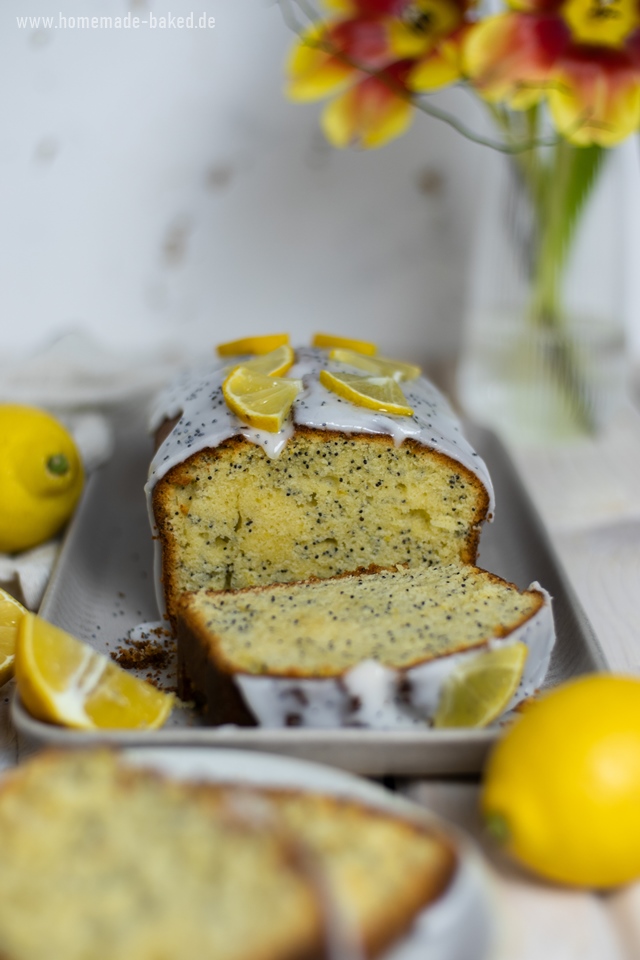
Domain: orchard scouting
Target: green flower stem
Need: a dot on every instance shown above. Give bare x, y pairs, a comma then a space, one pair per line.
552, 243
558, 183
571, 176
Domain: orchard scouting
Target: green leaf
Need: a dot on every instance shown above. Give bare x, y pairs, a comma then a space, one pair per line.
577, 170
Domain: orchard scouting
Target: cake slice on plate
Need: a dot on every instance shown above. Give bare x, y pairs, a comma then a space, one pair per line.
383, 648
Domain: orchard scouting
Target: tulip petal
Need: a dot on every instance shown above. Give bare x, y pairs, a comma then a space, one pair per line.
324, 60
368, 115
366, 8
312, 72
440, 68
536, 6
348, 8
595, 101
511, 56
406, 42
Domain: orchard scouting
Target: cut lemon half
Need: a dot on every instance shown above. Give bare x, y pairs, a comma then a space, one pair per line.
377, 393
480, 689
62, 680
377, 366
257, 345
261, 402
11, 613
272, 364
328, 340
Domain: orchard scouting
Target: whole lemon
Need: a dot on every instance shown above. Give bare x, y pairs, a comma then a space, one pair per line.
41, 477
562, 787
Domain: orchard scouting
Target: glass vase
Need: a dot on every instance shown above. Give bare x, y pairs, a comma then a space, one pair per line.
543, 356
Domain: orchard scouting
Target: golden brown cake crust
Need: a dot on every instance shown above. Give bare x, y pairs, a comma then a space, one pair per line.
394, 918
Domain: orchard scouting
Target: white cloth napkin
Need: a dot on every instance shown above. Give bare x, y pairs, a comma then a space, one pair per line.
75, 371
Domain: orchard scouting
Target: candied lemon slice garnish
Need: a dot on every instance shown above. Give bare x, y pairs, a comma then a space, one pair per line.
480, 689
377, 393
62, 680
260, 401
273, 364
377, 366
256, 345
11, 613
328, 340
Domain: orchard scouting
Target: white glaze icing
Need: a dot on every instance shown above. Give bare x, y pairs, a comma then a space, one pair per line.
206, 421
377, 697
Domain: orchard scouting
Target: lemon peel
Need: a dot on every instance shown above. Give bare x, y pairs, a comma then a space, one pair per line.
11, 613
272, 364
377, 366
328, 340
376, 393
260, 401
64, 681
481, 688
254, 345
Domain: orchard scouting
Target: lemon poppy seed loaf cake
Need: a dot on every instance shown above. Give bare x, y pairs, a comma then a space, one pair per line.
385, 649
338, 487
114, 862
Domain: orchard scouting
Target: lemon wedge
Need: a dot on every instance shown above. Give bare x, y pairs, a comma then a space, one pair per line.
272, 364
329, 340
377, 393
11, 613
256, 345
378, 366
480, 689
261, 402
62, 680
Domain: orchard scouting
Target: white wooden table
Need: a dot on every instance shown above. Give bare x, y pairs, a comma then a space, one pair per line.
589, 497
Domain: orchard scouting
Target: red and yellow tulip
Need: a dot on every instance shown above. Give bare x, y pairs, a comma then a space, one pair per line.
370, 56
581, 56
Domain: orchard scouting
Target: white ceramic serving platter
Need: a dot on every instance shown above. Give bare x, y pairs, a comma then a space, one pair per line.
460, 925
103, 586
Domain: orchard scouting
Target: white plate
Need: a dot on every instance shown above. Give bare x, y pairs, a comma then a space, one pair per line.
458, 926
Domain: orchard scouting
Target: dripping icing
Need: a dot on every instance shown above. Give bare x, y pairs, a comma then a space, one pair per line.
206, 421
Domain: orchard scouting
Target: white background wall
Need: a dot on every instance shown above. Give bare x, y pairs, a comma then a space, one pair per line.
156, 188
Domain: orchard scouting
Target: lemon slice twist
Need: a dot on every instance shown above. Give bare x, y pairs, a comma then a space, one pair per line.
64, 681
259, 401
481, 688
329, 340
253, 345
377, 366
376, 393
272, 364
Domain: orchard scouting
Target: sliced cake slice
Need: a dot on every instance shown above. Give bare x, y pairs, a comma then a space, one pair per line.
373, 649
105, 861
382, 870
